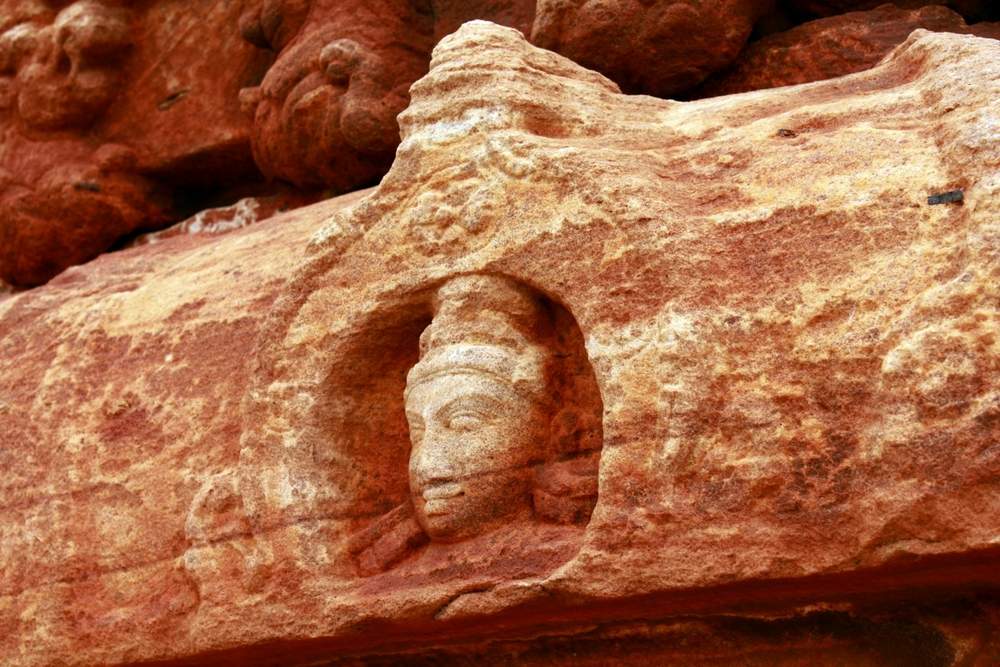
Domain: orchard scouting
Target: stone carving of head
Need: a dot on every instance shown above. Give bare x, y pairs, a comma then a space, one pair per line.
504, 419
478, 408
325, 114
66, 71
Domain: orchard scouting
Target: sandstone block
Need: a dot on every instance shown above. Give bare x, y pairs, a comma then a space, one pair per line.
659, 48
973, 10
108, 112
827, 48
587, 374
325, 113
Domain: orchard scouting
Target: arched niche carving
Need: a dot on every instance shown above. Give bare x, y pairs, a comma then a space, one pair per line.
455, 426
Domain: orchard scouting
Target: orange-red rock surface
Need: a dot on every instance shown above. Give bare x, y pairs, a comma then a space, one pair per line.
109, 116
659, 48
120, 119
729, 379
831, 47
325, 113
975, 10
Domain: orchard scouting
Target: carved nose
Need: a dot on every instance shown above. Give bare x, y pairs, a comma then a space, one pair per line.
432, 466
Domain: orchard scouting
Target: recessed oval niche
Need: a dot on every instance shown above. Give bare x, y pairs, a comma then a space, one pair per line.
459, 429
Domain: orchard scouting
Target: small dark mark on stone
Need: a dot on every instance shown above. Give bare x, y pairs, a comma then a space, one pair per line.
788, 134
946, 197
172, 99
87, 186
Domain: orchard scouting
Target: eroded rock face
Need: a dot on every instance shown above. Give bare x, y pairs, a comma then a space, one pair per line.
449, 15
659, 48
828, 48
118, 119
106, 110
973, 10
674, 379
65, 72
66, 212
325, 113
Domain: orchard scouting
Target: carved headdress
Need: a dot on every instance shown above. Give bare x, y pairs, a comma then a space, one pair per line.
486, 325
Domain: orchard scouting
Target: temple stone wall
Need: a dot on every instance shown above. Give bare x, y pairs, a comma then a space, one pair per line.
587, 377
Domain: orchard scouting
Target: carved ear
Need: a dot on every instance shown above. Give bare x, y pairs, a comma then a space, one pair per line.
566, 491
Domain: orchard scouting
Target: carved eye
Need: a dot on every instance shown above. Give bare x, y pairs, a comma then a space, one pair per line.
468, 413
466, 421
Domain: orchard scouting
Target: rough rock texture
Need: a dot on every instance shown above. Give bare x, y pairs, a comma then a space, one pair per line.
975, 10
118, 119
781, 364
222, 219
827, 48
449, 15
105, 111
325, 113
660, 48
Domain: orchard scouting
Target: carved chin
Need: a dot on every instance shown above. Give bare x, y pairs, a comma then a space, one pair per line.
444, 523
440, 529
453, 512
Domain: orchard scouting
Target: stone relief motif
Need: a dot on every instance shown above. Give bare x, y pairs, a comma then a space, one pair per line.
503, 421
65, 72
110, 119
325, 113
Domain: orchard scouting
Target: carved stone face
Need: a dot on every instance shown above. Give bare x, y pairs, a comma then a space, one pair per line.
474, 440
325, 113
67, 72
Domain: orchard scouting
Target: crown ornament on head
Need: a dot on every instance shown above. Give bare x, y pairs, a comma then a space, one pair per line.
486, 326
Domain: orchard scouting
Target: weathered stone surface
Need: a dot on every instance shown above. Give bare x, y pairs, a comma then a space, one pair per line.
63, 202
449, 15
325, 114
781, 365
974, 10
223, 219
105, 110
827, 48
660, 48
180, 107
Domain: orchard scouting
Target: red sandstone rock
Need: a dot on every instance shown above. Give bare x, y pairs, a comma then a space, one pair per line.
325, 113
827, 48
373, 430
180, 111
660, 48
105, 110
63, 203
973, 10
984, 29
449, 15
220, 220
